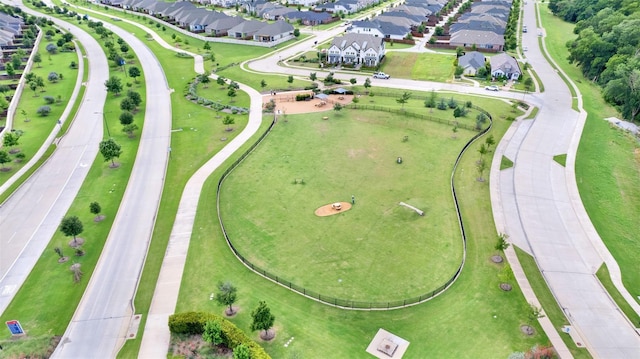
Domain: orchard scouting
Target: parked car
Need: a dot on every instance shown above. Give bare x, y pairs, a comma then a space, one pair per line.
524, 28
380, 75
492, 88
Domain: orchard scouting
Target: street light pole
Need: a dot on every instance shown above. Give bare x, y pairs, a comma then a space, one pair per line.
106, 124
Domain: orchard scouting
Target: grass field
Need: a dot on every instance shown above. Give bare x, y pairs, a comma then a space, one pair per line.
272, 222
37, 128
607, 165
419, 66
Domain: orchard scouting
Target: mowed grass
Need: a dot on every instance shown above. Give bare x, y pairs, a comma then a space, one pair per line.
37, 128
607, 166
271, 220
420, 66
474, 318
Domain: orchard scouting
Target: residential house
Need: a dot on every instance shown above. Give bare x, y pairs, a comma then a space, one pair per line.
504, 65
307, 3
246, 30
273, 32
378, 28
354, 49
220, 27
480, 39
366, 27
471, 62
272, 11
310, 18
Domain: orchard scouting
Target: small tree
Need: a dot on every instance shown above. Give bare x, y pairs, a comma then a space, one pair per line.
71, 226
231, 92
528, 84
53, 77
77, 273
37, 59
129, 129
52, 49
126, 118
127, 105
228, 121
134, 97
4, 158
290, 79
113, 85
58, 251
489, 142
404, 98
43, 110
134, 73
452, 103
263, 84
482, 150
353, 80
262, 319
337, 107
213, 333
227, 295
458, 71
110, 149
10, 69
481, 166
430, 102
502, 244
16, 61
204, 79
221, 81
442, 105
95, 209
367, 83
313, 76
4, 89
242, 351
12, 139
480, 120
207, 46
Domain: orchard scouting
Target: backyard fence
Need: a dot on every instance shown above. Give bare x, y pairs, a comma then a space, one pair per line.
345, 303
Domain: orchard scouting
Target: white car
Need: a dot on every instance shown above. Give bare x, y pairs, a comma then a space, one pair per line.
492, 88
380, 75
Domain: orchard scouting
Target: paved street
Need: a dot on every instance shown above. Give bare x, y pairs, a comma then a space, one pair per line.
540, 209
100, 322
32, 215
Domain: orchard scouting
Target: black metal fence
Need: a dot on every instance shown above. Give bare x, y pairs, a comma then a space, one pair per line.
345, 303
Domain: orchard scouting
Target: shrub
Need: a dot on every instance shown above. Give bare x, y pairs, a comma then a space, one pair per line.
49, 99
194, 323
44, 110
303, 97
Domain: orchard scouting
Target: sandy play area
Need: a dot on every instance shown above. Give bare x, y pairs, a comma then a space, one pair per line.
286, 102
333, 208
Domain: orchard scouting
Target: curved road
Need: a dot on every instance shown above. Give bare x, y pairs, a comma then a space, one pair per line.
536, 202
31, 216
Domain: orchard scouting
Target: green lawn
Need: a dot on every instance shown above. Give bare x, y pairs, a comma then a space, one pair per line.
432, 328
37, 128
422, 66
605, 279
347, 255
607, 167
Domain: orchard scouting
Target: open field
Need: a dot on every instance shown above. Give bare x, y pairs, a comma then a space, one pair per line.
607, 166
271, 221
419, 66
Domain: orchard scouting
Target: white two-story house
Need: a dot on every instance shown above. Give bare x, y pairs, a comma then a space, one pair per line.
353, 49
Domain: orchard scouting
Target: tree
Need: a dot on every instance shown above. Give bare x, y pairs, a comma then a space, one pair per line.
313, 76
367, 83
10, 69
221, 81
337, 107
459, 51
110, 149
290, 79
480, 120
124, 48
207, 46
227, 295
459, 112
204, 79
296, 32
241, 352
442, 105
213, 333
95, 208
127, 104
231, 92
458, 71
404, 98
490, 142
262, 319
134, 73
71, 226
12, 139
4, 89
37, 58
228, 121
353, 80
439, 31
39, 82
528, 84
77, 273
452, 103
481, 166
134, 97
126, 118
16, 61
43, 110
129, 129
482, 150
113, 85
4, 158
502, 244
51, 49
430, 102
53, 77
263, 84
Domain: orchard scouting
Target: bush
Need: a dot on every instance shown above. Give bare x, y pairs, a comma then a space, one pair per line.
303, 97
49, 99
195, 322
44, 110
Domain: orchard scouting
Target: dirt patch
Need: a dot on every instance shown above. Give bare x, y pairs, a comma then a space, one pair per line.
286, 103
75, 243
331, 209
99, 218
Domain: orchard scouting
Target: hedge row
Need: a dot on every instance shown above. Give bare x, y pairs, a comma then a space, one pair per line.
194, 322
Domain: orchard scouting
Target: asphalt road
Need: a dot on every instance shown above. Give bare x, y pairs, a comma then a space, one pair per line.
100, 323
31, 216
543, 214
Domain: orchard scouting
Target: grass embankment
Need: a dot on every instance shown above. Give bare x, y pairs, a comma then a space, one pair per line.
607, 165
36, 128
468, 307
